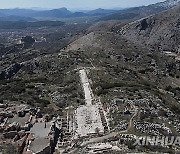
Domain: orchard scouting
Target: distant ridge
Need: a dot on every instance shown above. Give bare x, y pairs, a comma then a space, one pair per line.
18, 12
54, 13
61, 12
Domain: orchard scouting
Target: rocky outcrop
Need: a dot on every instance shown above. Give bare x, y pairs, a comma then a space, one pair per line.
10, 71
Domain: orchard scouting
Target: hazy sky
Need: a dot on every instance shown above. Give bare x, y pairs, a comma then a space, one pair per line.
82, 4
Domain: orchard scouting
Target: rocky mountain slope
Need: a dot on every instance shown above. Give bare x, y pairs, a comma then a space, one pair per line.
160, 31
142, 11
168, 3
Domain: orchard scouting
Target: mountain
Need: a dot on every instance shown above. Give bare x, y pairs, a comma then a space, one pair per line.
54, 13
161, 30
16, 14
58, 13
61, 12
140, 12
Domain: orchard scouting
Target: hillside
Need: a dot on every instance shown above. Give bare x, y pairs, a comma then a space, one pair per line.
103, 26
160, 31
122, 71
100, 46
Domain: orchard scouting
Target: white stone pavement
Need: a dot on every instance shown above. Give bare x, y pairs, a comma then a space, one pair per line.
86, 86
88, 119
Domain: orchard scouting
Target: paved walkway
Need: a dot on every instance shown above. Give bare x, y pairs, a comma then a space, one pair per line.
86, 86
88, 119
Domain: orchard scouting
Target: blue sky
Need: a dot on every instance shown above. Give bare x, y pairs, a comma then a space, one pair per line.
72, 4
